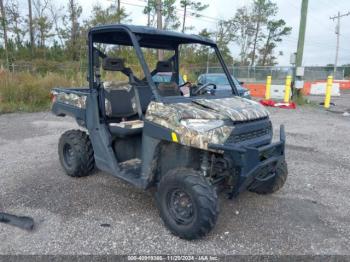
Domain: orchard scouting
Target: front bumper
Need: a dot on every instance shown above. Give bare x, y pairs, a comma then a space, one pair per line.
255, 165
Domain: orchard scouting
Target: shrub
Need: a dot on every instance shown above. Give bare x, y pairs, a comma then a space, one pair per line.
27, 92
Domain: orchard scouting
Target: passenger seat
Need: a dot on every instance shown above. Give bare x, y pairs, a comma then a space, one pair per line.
120, 101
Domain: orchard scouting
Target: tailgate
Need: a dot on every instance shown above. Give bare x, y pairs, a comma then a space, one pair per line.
70, 101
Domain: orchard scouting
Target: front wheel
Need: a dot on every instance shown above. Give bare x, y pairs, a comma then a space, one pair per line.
188, 203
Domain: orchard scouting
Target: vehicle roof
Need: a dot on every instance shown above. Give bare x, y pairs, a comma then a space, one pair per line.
148, 36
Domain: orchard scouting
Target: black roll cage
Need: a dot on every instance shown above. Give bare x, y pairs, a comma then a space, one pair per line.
135, 33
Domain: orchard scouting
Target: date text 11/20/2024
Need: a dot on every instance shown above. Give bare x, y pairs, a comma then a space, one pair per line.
172, 258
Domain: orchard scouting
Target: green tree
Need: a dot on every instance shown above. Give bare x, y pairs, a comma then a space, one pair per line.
15, 22
261, 13
244, 33
110, 15
30, 23
150, 11
194, 8
276, 29
204, 56
225, 35
57, 16
169, 15
4, 24
346, 71
171, 20
42, 22
72, 30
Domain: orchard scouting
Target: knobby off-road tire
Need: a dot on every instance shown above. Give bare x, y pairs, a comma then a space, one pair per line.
188, 203
76, 153
274, 184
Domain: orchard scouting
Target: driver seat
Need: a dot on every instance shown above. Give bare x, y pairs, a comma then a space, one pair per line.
167, 88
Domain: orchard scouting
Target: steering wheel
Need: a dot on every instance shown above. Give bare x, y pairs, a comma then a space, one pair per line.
199, 89
186, 83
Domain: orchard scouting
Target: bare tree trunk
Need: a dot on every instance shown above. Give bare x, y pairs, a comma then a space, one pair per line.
74, 29
4, 29
119, 11
255, 42
159, 14
148, 14
31, 31
72, 36
266, 51
184, 19
159, 26
55, 17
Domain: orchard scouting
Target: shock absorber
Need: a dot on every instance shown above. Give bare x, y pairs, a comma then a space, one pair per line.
205, 164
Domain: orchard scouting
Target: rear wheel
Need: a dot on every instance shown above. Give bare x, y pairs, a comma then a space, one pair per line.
188, 203
76, 153
275, 183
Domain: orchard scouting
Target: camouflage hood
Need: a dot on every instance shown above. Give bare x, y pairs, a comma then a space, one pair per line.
172, 116
236, 108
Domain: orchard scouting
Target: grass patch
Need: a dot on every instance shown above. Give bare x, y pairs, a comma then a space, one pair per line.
25, 92
300, 100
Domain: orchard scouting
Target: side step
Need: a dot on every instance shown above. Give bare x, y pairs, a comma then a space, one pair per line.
131, 167
130, 171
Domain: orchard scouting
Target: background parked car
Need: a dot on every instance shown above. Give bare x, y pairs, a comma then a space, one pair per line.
222, 84
165, 77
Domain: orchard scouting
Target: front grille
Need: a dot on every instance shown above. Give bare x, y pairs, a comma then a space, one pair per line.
241, 137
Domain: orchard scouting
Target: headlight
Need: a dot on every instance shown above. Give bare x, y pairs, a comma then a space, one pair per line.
202, 125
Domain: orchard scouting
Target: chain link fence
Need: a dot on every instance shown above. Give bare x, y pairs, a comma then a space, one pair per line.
258, 74
43, 67
246, 74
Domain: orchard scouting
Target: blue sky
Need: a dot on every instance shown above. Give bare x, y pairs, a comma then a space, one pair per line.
320, 39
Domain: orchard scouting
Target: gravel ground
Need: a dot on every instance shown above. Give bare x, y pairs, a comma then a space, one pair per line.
310, 215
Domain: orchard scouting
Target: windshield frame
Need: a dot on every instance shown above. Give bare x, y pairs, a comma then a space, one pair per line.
135, 39
226, 72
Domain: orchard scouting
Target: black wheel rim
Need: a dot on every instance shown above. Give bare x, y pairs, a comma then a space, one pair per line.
180, 206
68, 155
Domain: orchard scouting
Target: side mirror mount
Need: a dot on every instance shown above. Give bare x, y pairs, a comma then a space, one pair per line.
96, 59
212, 91
96, 66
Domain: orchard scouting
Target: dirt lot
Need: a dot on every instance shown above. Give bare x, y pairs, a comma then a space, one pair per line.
310, 215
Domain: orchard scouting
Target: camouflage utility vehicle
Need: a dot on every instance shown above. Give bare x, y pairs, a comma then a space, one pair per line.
185, 139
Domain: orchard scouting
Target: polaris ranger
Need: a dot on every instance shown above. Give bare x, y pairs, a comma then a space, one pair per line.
182, 138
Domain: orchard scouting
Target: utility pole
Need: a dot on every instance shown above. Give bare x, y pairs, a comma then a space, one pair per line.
337, 32
159, 25
302, 29
148, 13
298, 70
